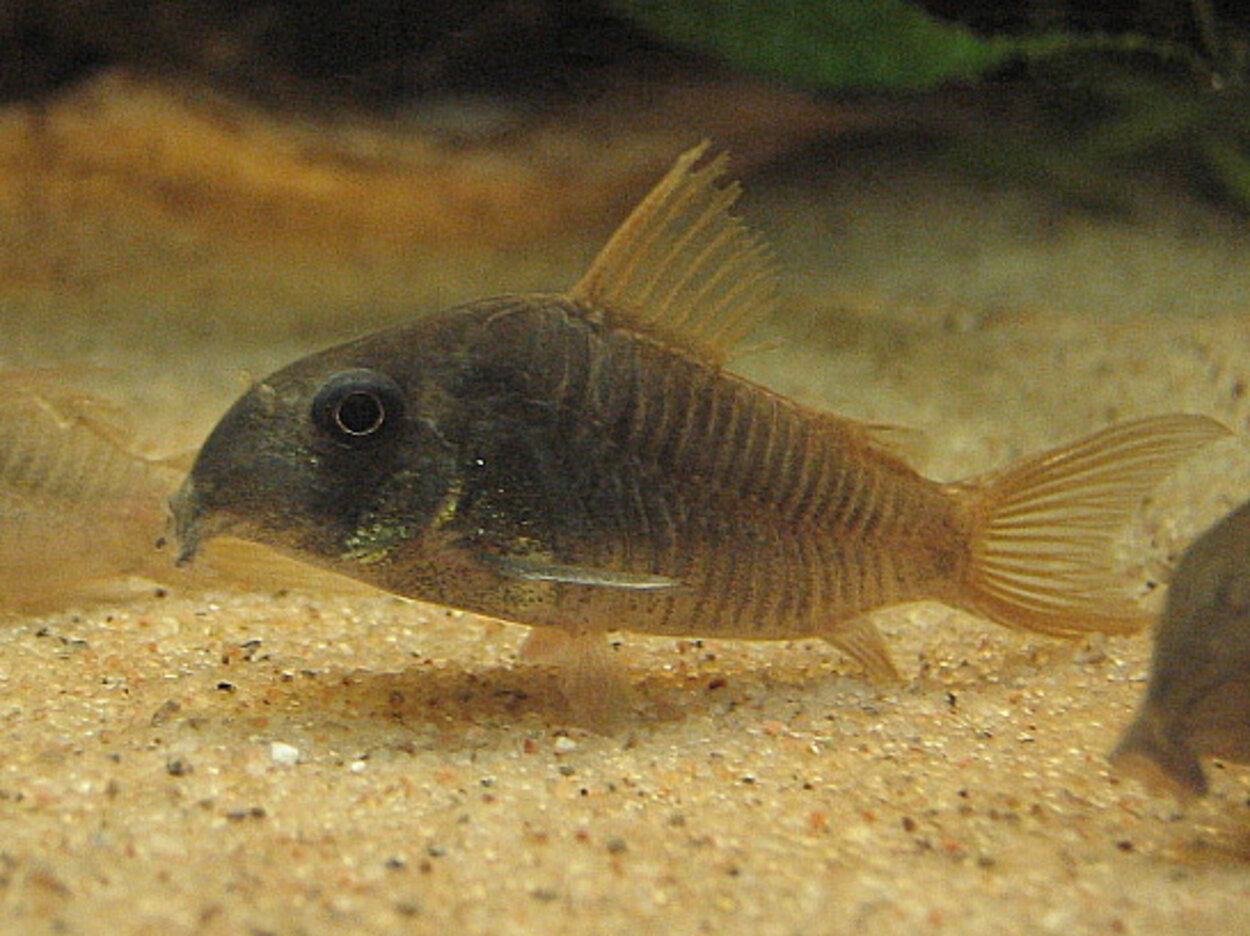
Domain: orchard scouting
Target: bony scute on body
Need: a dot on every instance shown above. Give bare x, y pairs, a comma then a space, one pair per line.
592, 443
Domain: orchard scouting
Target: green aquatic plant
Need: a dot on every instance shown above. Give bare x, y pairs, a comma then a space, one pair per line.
869, 44
1127, 96
860, 44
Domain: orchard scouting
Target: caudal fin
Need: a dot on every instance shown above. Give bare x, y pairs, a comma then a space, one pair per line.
1043, 529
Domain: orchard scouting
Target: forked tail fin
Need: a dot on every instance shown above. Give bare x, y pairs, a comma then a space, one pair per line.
1043, 529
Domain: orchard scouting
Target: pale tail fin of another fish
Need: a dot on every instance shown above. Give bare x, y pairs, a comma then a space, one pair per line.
1043, 529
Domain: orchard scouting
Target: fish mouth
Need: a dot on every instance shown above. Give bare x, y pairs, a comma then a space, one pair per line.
191, 525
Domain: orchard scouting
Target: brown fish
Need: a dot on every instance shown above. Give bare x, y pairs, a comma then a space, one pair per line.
1197, 702
583, 462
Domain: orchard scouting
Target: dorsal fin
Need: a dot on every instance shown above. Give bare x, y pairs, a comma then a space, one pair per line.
681, 266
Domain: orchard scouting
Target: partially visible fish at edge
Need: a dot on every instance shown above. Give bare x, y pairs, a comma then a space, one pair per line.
78, 508
82, 513
1197, 702
583, 461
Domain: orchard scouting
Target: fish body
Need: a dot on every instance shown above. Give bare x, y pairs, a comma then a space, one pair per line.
585, 462
78, 507
1197, 701
539, 438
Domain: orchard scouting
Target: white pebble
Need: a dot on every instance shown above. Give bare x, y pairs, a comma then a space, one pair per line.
284, 754
564, 745
357, 766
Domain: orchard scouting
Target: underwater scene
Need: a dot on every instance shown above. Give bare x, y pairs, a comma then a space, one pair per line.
618, 467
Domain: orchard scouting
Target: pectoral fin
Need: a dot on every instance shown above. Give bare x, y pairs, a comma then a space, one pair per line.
531, 569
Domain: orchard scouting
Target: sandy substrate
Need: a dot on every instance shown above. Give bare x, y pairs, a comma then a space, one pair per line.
305, 763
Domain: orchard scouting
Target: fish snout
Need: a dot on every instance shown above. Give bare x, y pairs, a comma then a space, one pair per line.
185, 522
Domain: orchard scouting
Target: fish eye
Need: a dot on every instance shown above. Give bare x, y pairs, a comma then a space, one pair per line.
358, 407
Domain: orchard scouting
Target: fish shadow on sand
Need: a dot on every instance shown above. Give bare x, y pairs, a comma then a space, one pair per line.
457, 701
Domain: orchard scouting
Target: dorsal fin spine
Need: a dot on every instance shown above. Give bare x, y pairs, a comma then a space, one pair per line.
681, 267
645, 213
679, 249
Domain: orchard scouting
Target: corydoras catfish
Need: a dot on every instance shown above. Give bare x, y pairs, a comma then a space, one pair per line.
583, 461
79, 508
1197, 703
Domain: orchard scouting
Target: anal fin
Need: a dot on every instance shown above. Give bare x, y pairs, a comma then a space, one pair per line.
859, 639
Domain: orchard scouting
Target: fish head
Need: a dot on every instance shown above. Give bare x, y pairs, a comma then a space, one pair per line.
331, 459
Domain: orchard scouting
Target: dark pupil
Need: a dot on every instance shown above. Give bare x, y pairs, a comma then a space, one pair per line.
360, 413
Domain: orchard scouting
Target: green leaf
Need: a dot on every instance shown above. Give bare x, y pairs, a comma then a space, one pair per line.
847, 44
